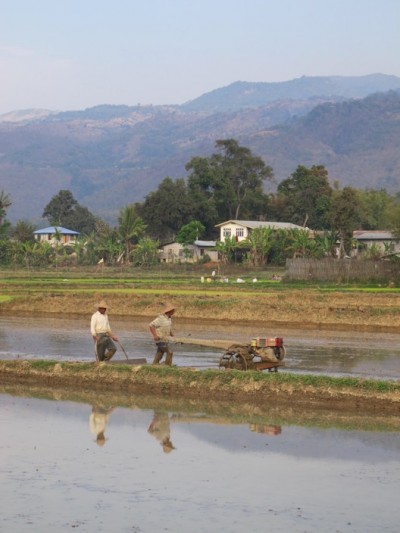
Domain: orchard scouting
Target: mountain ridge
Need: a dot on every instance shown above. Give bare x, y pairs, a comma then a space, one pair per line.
112, 155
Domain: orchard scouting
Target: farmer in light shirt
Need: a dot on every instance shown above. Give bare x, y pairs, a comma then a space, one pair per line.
101, 332
161, 329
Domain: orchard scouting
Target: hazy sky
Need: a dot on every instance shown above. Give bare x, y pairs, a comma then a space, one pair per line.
73, 54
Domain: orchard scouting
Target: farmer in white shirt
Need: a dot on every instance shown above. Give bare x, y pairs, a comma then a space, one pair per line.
102, 334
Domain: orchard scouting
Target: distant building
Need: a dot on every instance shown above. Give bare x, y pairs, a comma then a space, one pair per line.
241, 229
177, 253
67, 236
383, 241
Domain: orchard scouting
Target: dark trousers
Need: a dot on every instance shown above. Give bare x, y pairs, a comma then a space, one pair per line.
105, 347
162, 348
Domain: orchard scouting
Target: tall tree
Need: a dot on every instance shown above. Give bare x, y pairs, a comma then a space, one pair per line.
201, 193
230, 179
305, 198
378, 208
60, 206
80, 219
346, 216
5, 203
64, 210
165, 210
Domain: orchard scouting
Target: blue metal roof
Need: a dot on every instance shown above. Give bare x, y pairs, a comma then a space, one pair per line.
52, 229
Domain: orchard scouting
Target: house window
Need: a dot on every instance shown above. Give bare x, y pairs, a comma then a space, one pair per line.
239, 232
227, 232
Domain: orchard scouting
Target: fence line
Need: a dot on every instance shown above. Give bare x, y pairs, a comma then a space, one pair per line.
341, 270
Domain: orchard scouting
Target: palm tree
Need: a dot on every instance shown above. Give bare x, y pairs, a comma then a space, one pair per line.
227, 249
328, 243
302, 243
131, 228
259, 243
146, 252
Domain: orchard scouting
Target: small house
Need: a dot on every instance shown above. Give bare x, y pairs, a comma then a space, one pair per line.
178, 253
56, 235
241, 229
382, 241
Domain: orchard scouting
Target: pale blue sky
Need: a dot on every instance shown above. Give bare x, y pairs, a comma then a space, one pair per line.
73, 54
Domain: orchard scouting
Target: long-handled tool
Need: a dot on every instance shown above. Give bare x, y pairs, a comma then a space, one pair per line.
123, 349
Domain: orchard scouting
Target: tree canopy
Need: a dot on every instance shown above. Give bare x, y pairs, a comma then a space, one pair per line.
306, 197
64, 210
229, 183
346, 216
5, 203
191, 232
167, 209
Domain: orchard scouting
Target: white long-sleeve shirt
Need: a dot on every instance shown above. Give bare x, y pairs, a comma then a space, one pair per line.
99, 324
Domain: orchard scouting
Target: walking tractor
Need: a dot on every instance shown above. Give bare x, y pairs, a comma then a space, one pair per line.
261, 354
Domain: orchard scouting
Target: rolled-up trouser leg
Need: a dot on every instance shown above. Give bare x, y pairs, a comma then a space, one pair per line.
168, 360
158, 357
159, 353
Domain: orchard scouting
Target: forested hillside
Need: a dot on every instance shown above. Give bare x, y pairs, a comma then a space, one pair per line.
109, 156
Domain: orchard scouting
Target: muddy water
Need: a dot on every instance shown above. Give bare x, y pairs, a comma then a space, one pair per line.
232, 477
215, 473
365, 354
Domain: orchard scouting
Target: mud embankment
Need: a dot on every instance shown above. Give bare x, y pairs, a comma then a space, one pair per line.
306, 308
259, 388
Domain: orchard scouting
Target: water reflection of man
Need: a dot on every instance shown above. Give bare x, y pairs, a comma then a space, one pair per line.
269, 430
98, 422
160, 429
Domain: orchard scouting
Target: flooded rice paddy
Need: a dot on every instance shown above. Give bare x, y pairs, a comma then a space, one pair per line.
340, 353
100, 466
156, 470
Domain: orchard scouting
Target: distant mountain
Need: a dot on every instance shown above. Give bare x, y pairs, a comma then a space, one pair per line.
109, 156
242, 94
26, 115
358, 142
